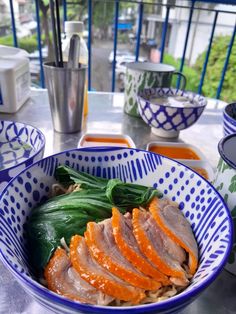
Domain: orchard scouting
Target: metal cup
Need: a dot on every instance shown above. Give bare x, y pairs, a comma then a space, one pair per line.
66, 96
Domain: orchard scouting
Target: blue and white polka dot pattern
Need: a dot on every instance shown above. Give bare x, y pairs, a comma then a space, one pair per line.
20, 146
169, 118
198, 200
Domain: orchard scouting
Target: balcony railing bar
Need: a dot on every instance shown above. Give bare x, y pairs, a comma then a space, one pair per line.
207, 54
115, 45
39, 43
13, 24
233, 2
186, 41
89, 43
139, 31
226, 64
64, 10
164, 31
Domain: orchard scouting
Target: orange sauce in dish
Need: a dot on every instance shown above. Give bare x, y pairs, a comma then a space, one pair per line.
175, 152
202, 172
106, 141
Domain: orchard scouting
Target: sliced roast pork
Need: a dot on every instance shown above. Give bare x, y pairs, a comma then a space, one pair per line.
126, 242
173, 223
63, 279
98, 276
154, 244
101, 243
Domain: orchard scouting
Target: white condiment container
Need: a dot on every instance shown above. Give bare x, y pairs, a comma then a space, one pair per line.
201, 163
14, 83
95, 139
13, 52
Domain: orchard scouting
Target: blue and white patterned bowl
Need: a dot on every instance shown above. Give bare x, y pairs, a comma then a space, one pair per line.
198, 200
20, 146
167, 121
229, 123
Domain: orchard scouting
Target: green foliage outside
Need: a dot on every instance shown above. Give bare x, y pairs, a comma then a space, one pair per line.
103, 11
103, 14
214, 69
123, 38
27, 43
6, 40
30, 43
191, 74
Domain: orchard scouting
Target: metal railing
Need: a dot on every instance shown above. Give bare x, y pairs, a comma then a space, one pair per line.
189, 5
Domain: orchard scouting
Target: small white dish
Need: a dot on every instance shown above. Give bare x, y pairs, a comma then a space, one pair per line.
151, 145
116, 140
199, 165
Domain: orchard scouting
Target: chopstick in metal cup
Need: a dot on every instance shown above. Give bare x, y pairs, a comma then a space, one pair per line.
74, 52
54, 32
59, 33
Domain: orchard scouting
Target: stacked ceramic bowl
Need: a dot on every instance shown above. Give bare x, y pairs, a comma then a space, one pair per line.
229, 119
20, 146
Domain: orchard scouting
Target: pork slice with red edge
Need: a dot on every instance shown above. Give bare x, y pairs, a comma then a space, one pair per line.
99, 277
173, 223
63, 279
125, 240
164, 253
101, 243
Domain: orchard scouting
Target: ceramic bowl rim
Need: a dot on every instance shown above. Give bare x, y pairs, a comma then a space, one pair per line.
172, 302
34, 154
140, 66
232, 120
221, 150
51, 65
140, 97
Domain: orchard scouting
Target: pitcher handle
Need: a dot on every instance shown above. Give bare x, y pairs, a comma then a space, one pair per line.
182, 79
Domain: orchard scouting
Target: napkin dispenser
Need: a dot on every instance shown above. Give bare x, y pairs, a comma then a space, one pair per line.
14, 83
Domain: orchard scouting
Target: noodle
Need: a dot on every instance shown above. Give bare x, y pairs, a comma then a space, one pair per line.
58, 189
64, 245
161, 294
73, 188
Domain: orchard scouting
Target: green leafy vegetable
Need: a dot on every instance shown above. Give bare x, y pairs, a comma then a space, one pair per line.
67, 176
129, 195
68, 214
63, 216
119, 193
